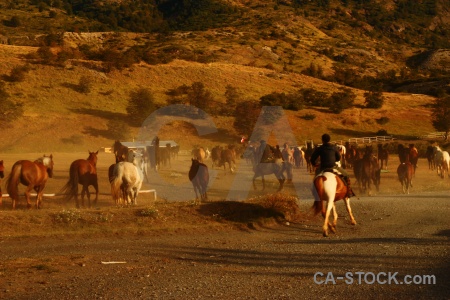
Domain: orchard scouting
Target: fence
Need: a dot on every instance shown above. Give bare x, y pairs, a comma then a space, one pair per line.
434, 136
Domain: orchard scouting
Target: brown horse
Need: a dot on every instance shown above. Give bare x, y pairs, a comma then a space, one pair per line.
84, 172
405, 172
199, 176
120, 151
413, 156
2, 174
351, 154
34, 175
228, 156
330, 188
383, 156
308, 152
367, 171
430, 157
216, 155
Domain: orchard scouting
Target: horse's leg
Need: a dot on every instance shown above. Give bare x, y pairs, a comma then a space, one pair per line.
335, 218
330, 204
96, 192
27, 195
349, 210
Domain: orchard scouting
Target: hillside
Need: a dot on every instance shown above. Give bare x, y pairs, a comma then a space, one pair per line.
267, 49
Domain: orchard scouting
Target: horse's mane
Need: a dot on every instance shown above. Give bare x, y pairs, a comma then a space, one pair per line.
45, 160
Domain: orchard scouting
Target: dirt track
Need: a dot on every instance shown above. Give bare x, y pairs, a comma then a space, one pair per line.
408, 234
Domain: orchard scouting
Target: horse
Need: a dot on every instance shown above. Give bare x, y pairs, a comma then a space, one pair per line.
308, 152
403, 153
330, 188
298, 157
228, 156
367, 171
199, 154
441, 161
126, 182
413, 156
84, 172
277, 167
2, 174
216, 155
199, 177
343, 152
383, 156
351, 154
430, 157
33, 174
120, 151
405, 173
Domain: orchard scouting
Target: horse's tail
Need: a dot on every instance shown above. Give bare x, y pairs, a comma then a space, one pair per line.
12, 181
317, 192
116, 184
70, 189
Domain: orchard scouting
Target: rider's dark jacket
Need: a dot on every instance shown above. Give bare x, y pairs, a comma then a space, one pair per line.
328, 154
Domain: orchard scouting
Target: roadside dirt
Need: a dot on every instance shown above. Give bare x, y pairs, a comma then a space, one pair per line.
196, 252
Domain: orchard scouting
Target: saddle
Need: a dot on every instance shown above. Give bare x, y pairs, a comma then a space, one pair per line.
330, 170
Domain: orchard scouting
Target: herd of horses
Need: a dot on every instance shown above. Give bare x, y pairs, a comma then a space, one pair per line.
129, 171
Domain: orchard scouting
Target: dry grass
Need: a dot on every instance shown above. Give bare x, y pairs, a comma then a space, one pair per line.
56, 111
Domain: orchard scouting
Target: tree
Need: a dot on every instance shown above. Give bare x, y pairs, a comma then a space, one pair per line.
232, 96
140, 106
342, 100
246, 115
199, 96
441, 115
9, 110
374, 99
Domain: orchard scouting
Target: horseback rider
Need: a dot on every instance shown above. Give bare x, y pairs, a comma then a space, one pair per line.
264, 152
329, 156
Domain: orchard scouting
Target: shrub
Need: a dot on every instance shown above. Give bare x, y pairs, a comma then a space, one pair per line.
18, 73
84, 85
149, 212
383, 120
342, 100
140, 105
374, 99
308, 117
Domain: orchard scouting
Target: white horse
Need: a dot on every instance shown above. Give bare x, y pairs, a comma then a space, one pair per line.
329, 188
441, 161
343, 151
127, 177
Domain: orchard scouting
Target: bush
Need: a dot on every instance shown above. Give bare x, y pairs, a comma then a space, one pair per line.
18, 73
140, 105
374, 99
383, 120
308, 117
382, 132
342, 100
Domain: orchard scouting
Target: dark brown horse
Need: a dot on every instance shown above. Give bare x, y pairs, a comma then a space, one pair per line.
351, 154
430, 157
308, 152
2, 174
383, 156
199, 176
367, 171
34, 175
84, 172
120, 151
405, 172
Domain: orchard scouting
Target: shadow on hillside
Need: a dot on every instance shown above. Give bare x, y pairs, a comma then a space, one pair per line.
99, 132
108, 115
